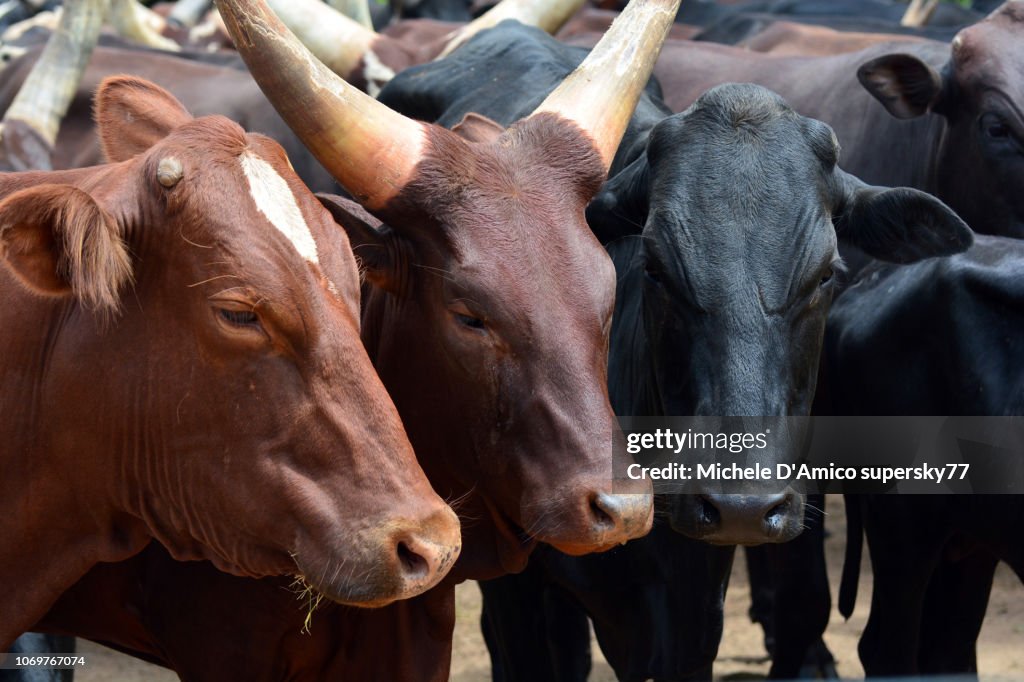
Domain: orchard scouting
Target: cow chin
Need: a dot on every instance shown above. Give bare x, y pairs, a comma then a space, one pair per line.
580, 550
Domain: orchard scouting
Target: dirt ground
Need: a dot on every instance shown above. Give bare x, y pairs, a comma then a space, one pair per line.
741, 655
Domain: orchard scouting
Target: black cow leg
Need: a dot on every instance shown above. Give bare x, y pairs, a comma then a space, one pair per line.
703, 675
905, 545
568, 635
954, 610
516, 627
803, 602
34, 643
762, 592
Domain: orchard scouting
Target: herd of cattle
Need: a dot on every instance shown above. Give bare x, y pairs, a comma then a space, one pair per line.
254, 429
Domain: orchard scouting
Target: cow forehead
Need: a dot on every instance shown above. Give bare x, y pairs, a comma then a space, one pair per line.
993, 47
775, 181
524, 259
726, 216
275, 200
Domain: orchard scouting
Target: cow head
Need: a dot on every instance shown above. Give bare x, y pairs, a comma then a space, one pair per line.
493, 332
980, 94
742, 206
226, 403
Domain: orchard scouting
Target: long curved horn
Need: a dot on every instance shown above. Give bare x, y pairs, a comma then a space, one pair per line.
371, 150
133, 21
919, 12
46, 94
339, 42
548, 15
600, 95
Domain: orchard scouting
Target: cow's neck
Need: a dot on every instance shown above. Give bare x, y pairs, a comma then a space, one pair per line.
632, 384
59, 519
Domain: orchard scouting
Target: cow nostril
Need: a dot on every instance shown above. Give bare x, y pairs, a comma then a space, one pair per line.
413, 565
599, 511
709, 514
777, 514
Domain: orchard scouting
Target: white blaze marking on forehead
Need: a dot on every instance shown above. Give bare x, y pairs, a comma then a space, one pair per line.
275, 200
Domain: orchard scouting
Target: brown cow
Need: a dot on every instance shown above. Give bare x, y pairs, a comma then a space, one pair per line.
181, 361
488, 316
794, 39
593, 22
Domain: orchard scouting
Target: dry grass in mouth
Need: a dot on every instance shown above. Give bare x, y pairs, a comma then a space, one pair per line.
310, 596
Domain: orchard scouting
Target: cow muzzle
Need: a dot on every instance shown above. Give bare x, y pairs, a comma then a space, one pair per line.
739, 519
595, 521
396, 560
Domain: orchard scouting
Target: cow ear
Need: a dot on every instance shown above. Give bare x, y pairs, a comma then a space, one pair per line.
620, 207
133, 114
900, 225
477, 128
372, 243
57, 239
906, 86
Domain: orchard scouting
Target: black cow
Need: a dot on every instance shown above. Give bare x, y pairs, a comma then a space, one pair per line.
941, 337
948, 123
721, 303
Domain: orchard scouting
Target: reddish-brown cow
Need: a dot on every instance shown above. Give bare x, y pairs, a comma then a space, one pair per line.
488, 318
181, 361
789, 38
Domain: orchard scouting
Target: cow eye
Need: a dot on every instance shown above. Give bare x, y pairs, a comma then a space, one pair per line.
239, 318
465, 317
470, 321
652, 274
827, 277
995, 127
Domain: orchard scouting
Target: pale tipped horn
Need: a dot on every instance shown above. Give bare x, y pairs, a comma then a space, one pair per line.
919, 13
370, 149
336, 40
357, 10
139, 24
600, 95
548, 15
46, 94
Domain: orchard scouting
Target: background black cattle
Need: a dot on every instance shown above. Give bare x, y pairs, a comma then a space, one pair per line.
941, 337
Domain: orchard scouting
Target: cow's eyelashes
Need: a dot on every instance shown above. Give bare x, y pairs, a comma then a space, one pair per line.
995, 128
470, 321
465, 317
239, 318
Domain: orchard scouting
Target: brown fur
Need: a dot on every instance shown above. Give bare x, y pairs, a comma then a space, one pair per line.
795, 39
116, 105
266, 445
92, 259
